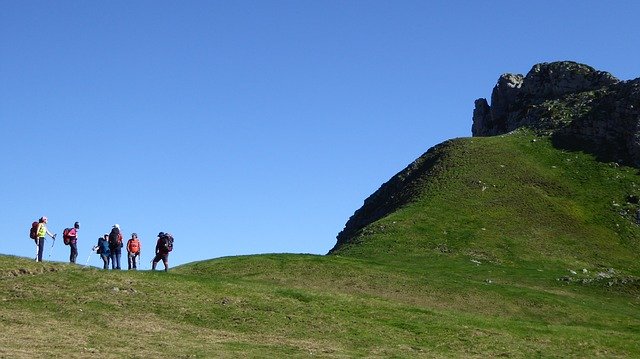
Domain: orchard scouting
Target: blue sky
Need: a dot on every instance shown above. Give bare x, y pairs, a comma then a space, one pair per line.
248, 127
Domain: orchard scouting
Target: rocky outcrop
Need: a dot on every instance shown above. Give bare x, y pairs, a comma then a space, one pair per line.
400, 190
580, 107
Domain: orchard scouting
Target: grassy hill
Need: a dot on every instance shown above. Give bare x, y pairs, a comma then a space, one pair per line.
508, 248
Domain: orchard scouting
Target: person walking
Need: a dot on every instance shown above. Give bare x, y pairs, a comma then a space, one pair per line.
134, 249
72, 234
102, 248
42, 232
115, 246
163, 247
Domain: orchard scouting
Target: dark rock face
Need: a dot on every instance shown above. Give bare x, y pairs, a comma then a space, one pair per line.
392, 195
581, 108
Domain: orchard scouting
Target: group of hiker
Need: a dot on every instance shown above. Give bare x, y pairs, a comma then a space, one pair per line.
109, 246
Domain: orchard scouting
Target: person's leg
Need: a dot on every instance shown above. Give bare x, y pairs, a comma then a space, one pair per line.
134, 258
118, 255
155, 261
40, 248
113, 260
105, 260
74, 252
165, 261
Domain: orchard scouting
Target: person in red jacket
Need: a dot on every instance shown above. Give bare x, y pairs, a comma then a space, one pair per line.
134, 249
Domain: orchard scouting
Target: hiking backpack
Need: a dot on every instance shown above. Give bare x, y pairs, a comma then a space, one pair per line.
33, 232
115, 239
168, 242
66, 238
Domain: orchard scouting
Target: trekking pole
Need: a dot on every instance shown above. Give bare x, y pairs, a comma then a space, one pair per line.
89, 257
52, 244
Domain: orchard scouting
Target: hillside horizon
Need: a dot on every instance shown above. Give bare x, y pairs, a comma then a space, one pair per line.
503, 245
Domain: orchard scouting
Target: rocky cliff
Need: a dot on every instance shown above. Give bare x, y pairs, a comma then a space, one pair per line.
580, 107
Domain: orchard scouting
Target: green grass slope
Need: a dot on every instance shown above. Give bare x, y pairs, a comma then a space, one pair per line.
513, 249
514, 199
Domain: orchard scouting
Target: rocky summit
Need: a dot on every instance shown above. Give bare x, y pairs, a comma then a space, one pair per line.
580, 107
574, 105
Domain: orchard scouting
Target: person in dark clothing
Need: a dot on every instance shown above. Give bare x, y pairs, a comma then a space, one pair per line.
163, 247
73, 242
115, 246
102, 248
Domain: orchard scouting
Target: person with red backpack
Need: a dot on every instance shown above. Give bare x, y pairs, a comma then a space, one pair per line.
163, 247
70, 238
133, 250
115, 246
40, 231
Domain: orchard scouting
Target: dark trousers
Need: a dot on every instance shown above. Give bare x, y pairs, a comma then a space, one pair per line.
74, 251
132, 260
40, 248
105, 259
165, 260
115, 258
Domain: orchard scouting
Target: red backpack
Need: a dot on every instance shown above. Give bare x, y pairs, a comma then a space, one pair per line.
66, 238
33, 233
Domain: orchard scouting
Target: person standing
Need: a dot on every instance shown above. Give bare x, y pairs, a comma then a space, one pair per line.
115, 246
73, 242
102, 248
163, 247
42, 232
133, 250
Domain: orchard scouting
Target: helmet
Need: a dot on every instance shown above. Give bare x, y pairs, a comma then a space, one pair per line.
76, 225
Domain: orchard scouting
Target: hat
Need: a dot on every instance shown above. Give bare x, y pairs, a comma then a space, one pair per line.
160, 234
116, 226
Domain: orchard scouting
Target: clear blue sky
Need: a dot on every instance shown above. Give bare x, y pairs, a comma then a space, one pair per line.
248, 127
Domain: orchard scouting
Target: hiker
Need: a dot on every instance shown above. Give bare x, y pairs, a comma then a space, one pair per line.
163, 247
133, 250
115, 246
41, 233
102, 248
70, 237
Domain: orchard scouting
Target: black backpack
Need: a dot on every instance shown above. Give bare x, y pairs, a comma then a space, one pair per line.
168, 242
114, 238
